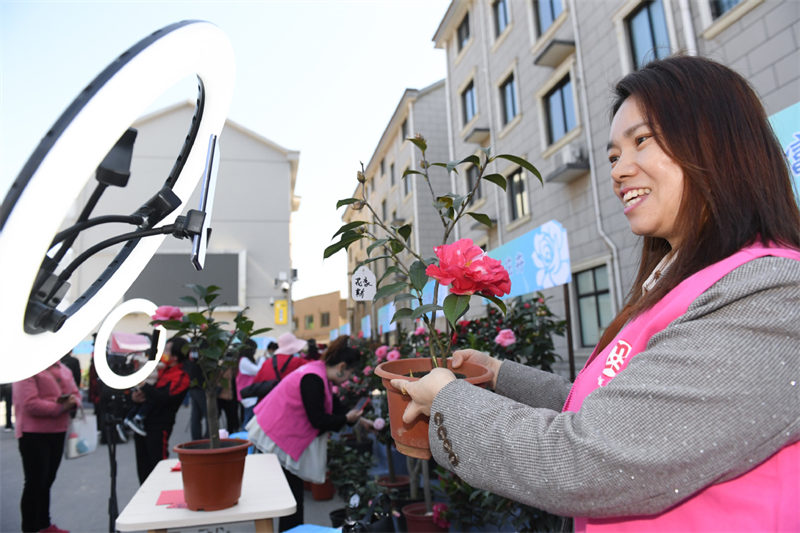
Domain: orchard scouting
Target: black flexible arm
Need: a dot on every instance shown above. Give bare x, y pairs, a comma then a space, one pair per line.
80, 226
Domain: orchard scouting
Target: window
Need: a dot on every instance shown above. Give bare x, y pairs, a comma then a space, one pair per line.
517, 195
647, 30
560, 110
308, 322
391, 174
594, 303
546, 12
383, 209
720, 7
407, 184
468, 104
472, 177
463, 33
508, 99
500, 10
383, 168
324, 320
404, 131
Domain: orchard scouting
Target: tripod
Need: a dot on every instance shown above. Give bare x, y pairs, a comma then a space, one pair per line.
116, 403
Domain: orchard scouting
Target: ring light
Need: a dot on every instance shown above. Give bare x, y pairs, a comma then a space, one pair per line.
44, 192
104, 372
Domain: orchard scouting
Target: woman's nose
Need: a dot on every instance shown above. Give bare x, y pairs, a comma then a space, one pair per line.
624, 167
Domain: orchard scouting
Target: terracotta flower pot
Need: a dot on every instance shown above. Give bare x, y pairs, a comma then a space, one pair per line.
420, 521
212, 478
323, 491
412, 439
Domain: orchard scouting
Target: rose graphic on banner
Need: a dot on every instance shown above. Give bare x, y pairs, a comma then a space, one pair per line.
551, 255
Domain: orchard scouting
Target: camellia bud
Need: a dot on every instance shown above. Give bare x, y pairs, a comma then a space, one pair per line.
358, 206
361, 177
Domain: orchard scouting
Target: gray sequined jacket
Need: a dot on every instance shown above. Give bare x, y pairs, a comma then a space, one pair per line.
713, 395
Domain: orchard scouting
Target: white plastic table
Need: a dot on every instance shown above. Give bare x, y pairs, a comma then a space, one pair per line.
265, 495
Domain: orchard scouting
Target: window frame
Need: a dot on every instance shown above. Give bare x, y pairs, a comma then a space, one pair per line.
406, 183
391, 174
549, 126
503, 100
324, 319
472, 172
524, 201
468, 88
537, 20
594, 294
463, 41
647, 8
497, 5
620, 28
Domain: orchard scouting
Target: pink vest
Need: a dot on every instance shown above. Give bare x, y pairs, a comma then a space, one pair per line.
281, 413
766, 498
242, 381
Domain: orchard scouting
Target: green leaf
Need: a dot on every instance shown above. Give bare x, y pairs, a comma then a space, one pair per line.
401, 313
419, 142
396, 246
483, 219
346, 201
388, 290
379, 242
390, 270
190, 300
370, 260
348, 227
496, 301
405, 231
497, 179
259, 331
422, 309
523, 163
455, 305
408, 171
418, 276
346, 240
404, 296
471, 159
196, 318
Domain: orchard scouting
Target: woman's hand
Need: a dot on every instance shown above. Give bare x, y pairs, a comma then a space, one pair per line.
481, 358
422, 392
353, 415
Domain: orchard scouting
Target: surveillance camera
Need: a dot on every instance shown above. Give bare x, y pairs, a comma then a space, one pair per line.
285, 286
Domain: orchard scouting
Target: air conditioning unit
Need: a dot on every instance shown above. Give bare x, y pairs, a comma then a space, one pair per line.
571, 162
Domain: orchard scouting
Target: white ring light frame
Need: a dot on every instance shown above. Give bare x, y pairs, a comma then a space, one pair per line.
189, 47
104, 372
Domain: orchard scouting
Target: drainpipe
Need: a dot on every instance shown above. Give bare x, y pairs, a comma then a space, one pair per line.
451, 148
414, 197
688, 28
486, 18
592, 167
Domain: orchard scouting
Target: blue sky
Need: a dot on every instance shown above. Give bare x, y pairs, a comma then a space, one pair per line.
321, 77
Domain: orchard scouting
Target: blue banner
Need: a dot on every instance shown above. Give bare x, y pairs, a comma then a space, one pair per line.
385, 315
333, 334
537, 260
366, 327
345, 329
786, 124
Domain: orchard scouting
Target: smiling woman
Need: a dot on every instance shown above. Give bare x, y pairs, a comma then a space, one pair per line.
685, 416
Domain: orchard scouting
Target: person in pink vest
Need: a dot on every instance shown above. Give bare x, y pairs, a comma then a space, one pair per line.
42, 407
294, 419
686, 417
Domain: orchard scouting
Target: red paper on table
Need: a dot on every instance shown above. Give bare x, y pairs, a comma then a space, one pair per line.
173, 499
176, 468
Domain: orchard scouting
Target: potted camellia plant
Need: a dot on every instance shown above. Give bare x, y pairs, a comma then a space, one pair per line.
212, 468
462, 266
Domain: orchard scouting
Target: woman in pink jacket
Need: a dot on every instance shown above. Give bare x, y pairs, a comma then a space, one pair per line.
42, 404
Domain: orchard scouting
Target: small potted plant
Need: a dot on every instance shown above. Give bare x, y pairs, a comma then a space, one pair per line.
461, 265
211, 480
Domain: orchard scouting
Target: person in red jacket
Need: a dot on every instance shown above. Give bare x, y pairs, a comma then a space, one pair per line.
288, 345
165, 397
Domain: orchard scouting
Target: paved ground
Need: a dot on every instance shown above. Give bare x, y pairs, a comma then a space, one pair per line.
80, 495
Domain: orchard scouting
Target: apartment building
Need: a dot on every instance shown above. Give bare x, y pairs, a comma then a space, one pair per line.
534, 78
316, 316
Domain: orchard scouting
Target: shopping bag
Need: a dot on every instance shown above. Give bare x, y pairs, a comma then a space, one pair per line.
81, 435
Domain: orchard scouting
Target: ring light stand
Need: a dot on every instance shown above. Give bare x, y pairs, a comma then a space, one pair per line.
66, 158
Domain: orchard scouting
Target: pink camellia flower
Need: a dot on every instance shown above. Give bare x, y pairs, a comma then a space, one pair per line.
167, 312
420, 330
394, 355
380, 352
367, 370
438, 515
335, 389
505, 338
379, 424
468, 270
